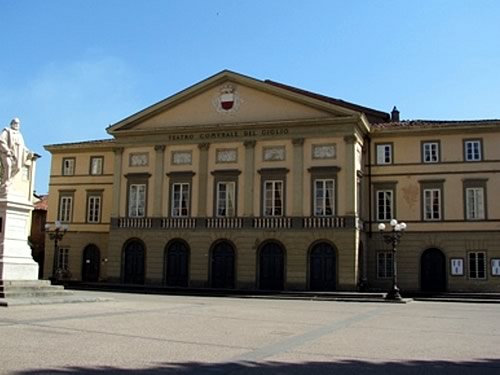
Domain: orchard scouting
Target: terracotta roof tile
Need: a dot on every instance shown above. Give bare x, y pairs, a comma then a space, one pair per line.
413, 124
42, 203
373, 115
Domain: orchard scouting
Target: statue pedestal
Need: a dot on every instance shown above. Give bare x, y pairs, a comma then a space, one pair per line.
16, 262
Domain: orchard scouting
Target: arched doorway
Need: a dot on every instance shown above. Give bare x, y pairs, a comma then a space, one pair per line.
91, 263
433, 271
133, 262
222, 266
271, 267
322, 267
177, 264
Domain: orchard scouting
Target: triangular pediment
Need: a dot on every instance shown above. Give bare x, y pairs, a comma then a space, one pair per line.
230, 98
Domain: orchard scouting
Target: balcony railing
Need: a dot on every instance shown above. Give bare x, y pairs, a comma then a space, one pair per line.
228, 223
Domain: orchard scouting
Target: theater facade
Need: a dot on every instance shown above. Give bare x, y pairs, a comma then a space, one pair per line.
240, 183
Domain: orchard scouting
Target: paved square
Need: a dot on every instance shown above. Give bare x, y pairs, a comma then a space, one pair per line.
154, 334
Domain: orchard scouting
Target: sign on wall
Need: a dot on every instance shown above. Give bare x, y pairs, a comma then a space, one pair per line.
495, 267
457, 267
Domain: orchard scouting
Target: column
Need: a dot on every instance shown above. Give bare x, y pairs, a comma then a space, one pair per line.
298, 177
247, 189
117, 182
158, 200
203, 179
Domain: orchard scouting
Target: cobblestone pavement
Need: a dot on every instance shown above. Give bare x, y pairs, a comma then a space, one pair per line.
153, 334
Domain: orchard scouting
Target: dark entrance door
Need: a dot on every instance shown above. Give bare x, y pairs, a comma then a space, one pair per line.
322, 267
271, 267
91, 263
433, 271
133, 263
223, 266
177, 264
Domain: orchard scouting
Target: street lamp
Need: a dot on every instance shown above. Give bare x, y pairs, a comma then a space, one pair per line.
393, 238
56, 234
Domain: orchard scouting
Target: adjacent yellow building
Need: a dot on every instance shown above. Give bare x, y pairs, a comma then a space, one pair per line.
241, 183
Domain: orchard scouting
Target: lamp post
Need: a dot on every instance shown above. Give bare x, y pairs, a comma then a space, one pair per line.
56, 234
393, 238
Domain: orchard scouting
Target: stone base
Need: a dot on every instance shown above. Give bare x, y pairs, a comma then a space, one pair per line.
16, 261
26, 270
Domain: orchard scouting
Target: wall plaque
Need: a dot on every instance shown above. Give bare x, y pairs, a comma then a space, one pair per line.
457, 267
327, 151
138, 160
226, 155
495, 267
276, 153
182, 157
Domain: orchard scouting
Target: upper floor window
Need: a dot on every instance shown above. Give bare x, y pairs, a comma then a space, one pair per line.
137, 185
273, 191
273, 198
68, 166
473, 150
474, 203
94, 208
96, 163
324, 197
384, 153
65, 208
137, 200
180, 199
226, 198
430, 152
384, 204
432, 204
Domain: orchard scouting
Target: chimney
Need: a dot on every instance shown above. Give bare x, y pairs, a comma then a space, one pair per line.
395, 114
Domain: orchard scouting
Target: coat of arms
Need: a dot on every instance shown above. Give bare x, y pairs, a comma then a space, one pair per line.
228, 99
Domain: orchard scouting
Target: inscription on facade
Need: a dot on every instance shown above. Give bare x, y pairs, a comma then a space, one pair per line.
229, 134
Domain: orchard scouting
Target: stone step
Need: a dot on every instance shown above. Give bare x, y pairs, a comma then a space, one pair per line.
10, 283
12, 289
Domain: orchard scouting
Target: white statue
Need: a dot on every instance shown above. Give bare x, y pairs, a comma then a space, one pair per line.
13, 152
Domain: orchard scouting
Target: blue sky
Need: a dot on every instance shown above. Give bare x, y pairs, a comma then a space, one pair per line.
68, 69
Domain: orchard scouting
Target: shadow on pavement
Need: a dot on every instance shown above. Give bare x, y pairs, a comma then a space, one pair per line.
483, 367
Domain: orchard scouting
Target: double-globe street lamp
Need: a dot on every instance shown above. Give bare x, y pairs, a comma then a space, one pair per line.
56, 234
393, 238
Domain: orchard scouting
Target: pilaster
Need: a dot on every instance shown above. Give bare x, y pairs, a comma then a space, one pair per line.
298, 177
248, 188
158, 200
117, 181
203, 179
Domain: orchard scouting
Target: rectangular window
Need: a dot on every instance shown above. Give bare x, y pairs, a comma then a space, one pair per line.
385, 203
94, 209
474, 203
477, 265
180, 199
384, 264
68, 168
137, 200
226, 192
472, 149
430, 152
65, 208
63, 259
384, 154
432, 204
324, 197
273, 198
96, 165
